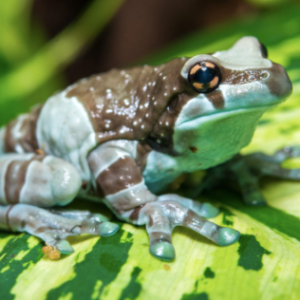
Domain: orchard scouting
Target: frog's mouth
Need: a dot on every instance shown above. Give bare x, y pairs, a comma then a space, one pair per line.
210, 117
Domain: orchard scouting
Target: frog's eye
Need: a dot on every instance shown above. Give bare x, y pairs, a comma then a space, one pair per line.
264, 50
205, 76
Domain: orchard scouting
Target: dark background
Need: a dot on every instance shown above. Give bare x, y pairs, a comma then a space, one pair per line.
140, 28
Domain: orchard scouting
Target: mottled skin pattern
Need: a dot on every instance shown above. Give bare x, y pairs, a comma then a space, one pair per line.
122, 136
139, 96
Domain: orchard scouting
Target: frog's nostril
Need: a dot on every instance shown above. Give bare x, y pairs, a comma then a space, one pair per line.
264, 50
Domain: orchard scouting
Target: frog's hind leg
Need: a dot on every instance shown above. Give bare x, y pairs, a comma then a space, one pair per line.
28, 181
51, 227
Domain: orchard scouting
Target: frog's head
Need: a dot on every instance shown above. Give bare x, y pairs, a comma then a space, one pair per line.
234, 88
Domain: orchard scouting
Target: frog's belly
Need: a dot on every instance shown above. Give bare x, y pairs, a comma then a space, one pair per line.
162, 169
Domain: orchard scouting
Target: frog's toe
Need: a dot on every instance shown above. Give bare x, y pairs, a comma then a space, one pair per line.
98, 217
286, 153
87, 222
223, 236
208, 211
162, 217
254, 198
163, 251
107, 229
226, 236
64, 247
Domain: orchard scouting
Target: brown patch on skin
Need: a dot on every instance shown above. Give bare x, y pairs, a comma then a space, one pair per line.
128, 104
193, 149
7, 217
234, 77
158, 236
122, 174
27, 139
276, 85
135, 214
189, 216
15, 178
9, 142
143, 150
42, 229
160, 138
216, 98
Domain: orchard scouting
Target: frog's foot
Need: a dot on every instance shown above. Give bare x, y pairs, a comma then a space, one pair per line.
248, 169
286, 152
262, 164
161, 217
54, 228
247, 181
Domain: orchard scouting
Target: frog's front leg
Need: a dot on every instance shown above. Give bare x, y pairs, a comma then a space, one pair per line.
263, 165
118, 177
248, 169
28, 181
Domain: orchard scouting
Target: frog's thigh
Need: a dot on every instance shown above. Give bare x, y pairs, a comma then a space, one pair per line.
37, 180
118, 177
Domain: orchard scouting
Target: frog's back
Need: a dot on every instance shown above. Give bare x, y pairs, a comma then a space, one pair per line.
119, 104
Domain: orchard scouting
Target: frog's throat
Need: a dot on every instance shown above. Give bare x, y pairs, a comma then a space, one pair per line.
227, 132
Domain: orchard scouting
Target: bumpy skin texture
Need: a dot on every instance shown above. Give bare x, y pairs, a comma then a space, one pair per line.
123, 136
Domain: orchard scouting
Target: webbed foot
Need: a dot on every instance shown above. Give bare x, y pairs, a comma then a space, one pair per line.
170, 211
247, 171
55, 226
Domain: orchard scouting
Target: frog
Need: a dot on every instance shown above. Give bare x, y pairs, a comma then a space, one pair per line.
122, 136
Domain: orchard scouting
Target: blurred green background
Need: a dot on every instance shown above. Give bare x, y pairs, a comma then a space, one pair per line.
48, 44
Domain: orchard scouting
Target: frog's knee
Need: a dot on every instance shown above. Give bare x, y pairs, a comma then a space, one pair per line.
50, 182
